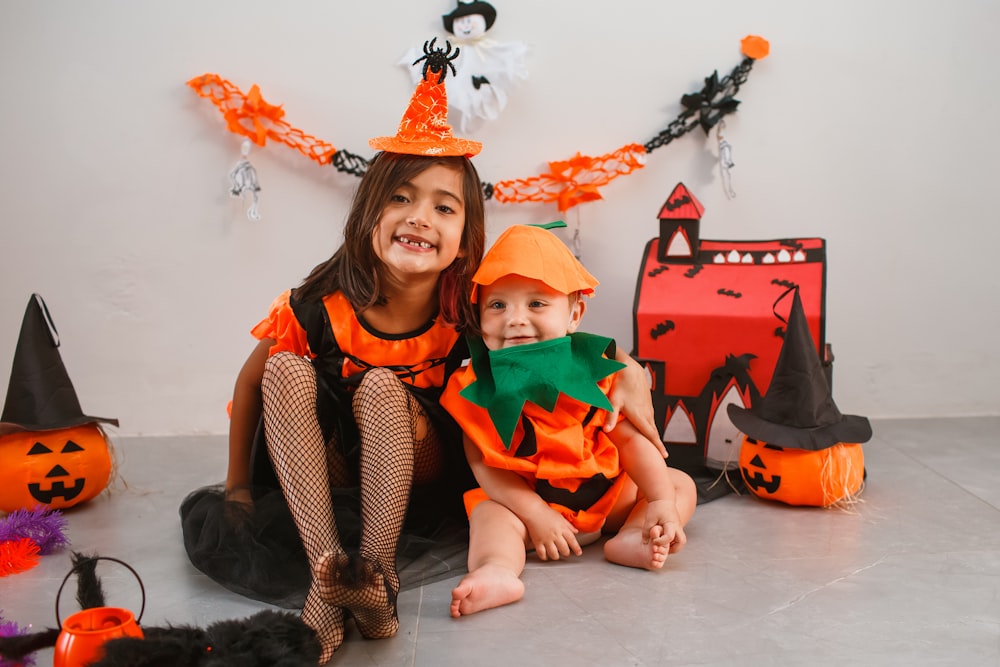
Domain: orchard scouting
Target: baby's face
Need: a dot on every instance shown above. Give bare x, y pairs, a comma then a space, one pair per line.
469, 27
515, 310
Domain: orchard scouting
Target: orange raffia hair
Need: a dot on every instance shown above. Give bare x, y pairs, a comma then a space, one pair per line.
248, 114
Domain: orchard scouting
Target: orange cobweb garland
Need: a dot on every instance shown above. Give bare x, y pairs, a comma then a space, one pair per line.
249, 115
568, 182
573, 181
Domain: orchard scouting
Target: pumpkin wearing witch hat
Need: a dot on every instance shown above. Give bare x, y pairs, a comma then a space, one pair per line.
798, 447
51, 453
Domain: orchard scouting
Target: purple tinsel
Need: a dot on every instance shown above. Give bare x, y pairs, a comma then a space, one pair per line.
43, 527
11, 629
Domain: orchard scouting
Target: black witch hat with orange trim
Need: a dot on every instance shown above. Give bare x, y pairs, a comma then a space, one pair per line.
40, 395
798, 409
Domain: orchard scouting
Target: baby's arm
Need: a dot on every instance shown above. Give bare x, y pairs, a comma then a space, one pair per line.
644, 465
243, 421
551, 534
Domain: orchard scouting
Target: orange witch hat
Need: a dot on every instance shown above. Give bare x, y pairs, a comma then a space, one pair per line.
424, 128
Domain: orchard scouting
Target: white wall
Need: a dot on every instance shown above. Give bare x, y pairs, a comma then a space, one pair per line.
872, 124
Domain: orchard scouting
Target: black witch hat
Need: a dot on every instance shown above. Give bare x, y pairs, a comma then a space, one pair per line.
798, 409
40, 396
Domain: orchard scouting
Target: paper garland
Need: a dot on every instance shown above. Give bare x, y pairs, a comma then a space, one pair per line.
568, 183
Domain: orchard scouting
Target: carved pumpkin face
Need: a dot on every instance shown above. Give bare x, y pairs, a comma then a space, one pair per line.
56, 469
802, 477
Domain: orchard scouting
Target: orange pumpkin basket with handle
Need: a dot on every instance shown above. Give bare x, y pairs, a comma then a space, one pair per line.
83, 634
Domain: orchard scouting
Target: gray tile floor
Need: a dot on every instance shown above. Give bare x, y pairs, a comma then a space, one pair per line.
911, 577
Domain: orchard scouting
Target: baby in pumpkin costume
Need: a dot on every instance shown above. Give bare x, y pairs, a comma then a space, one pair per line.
533, 405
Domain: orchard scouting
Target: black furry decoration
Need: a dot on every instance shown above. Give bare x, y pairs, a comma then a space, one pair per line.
265, 639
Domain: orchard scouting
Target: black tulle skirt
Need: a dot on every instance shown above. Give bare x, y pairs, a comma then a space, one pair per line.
257, 552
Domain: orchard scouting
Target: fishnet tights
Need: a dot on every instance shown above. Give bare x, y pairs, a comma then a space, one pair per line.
295, 443
398, 446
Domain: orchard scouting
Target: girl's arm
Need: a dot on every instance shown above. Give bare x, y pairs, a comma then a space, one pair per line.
631, 396
243, 421
551, 534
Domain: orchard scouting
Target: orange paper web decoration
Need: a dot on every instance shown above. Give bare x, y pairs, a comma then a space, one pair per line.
252, 117
573, 181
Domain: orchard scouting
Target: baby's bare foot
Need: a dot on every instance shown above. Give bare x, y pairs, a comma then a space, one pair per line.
626, 548
484, 588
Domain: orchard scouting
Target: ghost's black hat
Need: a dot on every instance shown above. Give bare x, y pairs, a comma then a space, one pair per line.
484, 9
40, 395
798, 410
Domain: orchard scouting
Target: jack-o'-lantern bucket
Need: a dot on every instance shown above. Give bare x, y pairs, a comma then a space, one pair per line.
56, 468
818, 478
51, 453
83, 634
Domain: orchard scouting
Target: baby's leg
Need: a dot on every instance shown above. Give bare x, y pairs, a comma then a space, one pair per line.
496, 559
626, 548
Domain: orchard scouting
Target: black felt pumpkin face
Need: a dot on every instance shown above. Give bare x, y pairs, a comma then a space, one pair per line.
57, 469
802, 477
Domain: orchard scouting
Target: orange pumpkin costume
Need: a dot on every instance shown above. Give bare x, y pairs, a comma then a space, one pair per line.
564, 454
559, 448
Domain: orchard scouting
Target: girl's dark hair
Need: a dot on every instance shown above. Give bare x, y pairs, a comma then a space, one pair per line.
356, 270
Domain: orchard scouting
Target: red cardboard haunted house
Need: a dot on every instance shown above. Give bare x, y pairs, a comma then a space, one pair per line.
705, 327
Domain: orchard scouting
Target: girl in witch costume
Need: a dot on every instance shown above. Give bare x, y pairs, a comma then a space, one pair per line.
551, 477
335, 414
347, 373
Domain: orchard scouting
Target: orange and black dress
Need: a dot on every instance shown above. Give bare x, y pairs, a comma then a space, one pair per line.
554, 436
262, 556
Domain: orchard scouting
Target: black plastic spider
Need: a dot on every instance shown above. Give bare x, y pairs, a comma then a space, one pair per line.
438, 60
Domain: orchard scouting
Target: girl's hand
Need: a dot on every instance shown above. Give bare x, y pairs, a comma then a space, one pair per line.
630, 395
552, 535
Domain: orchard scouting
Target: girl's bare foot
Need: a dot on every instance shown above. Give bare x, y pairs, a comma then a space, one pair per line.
327, 621
626, 548
484, 588
360, 586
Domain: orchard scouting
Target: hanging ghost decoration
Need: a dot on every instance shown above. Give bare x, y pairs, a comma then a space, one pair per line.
486, 69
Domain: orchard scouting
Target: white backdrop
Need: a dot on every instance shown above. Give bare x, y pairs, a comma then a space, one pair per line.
871, 124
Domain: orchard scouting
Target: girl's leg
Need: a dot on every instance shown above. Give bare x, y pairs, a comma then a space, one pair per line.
397, 443
295, 443
497, 546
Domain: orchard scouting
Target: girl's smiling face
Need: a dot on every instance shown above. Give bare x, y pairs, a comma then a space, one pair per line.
515, 310
419, 233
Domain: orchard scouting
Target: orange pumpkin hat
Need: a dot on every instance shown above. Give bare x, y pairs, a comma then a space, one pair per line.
40, 395
424, 128
537, 253
798, 409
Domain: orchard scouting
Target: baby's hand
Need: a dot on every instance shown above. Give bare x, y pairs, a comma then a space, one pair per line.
662, 525
552, 535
